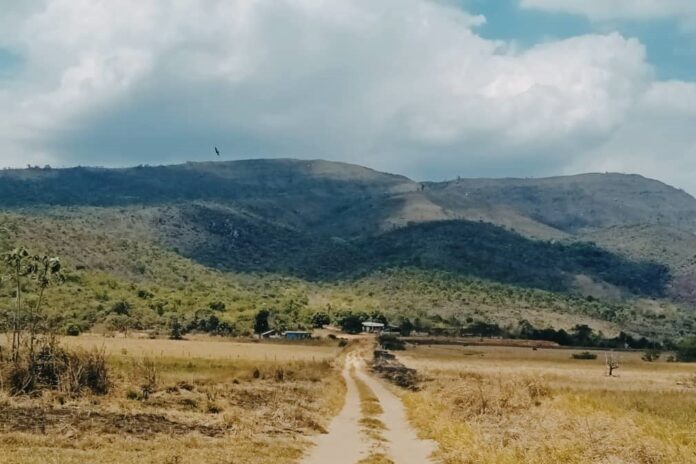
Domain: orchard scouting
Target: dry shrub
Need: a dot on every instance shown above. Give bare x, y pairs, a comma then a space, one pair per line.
149, 376
476, 395
85, 369
377, 458
51, 367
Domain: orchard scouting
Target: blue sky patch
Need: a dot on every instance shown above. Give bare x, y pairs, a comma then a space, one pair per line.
671, 51
10, 63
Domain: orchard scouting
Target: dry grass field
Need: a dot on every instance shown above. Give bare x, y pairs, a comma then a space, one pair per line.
205, 347
518, 405
181, 402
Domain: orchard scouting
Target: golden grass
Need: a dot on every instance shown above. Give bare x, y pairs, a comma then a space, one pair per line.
369, 404
376, 458
203, 348
371, 424
370, 409
207, 409
513, 406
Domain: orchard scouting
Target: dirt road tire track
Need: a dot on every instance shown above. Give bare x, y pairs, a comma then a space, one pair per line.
345, 444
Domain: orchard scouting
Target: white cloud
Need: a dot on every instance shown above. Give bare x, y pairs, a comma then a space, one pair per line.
403, 85
657, 139
605, 10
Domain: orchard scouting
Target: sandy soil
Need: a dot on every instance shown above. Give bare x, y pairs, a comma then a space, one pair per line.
345, 444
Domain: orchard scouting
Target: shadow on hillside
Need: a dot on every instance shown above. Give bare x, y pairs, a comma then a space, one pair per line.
461, 247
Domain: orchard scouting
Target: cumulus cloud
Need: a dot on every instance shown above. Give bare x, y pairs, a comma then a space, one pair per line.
656, 139
402, 85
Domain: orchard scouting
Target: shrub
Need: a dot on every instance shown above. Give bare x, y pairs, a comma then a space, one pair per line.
217, 306
391, 342
176, 330
53, 368
213, 408
651, 355
584, 355
73, 330
85, 369
122, 308
147, 369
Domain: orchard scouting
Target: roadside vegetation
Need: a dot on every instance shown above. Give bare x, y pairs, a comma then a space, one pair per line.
116, 402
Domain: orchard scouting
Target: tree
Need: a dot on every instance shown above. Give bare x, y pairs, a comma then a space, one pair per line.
320, 319
176, 330
652, 354
406, 327
613, 363
119, 323
376, 316
351, 323
583, 335
686, 350
483, 329
261, 321
22, 268
122, 308
226, 328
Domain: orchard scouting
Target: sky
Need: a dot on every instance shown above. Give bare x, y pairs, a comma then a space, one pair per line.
432, 89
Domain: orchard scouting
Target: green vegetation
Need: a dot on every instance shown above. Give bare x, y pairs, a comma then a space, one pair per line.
205, 247
686, 350
320, 319
119, 278
585, 355
261, 324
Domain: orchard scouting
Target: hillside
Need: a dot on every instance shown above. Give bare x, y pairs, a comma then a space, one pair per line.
578, 203
312, 235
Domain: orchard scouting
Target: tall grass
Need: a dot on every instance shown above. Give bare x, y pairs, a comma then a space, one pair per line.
518, 413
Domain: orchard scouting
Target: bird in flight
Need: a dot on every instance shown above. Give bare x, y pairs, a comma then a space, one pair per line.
217, 152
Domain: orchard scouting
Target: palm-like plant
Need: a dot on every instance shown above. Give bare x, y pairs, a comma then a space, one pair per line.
21, 267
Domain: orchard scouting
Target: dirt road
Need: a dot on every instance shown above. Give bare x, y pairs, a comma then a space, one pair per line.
347, 444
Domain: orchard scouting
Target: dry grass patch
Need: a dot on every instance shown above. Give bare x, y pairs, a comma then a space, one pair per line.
178, 410
204, 348
377, 458
370, 409
529, 411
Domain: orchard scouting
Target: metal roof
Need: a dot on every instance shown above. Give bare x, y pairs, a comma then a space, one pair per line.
373, 324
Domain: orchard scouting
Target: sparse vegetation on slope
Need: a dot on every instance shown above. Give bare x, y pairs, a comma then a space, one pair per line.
204, 247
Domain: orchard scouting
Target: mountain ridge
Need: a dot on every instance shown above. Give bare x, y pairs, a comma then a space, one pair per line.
321, 221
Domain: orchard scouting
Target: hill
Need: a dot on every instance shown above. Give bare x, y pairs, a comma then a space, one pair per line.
316, 233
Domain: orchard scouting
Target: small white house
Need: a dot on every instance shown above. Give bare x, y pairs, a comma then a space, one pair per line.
372, 327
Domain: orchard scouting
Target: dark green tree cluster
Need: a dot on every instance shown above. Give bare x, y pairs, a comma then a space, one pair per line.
351, 322
686, 350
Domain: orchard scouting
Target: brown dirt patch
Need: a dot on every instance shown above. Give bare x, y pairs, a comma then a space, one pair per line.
40, 420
